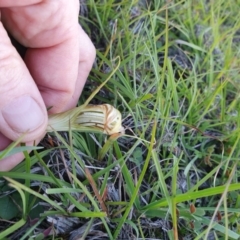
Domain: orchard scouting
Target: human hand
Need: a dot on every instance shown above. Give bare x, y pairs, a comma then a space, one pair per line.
58, 59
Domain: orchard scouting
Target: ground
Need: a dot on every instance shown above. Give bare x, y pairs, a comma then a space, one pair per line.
174, 173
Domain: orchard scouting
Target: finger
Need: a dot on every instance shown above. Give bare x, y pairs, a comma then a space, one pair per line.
22, 110
60, 72
4, 142
10, 162
14, 3
42, 25
87, 53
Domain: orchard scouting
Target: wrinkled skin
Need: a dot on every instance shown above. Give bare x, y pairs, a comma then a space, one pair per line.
52, 74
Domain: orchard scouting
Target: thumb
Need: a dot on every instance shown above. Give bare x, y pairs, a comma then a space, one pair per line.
22, 110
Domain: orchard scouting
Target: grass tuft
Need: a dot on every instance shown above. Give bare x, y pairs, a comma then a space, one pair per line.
174, 174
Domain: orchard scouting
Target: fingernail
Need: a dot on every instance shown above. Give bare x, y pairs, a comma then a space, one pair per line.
23, 114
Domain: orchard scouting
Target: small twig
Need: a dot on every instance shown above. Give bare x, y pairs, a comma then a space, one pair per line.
94, 187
